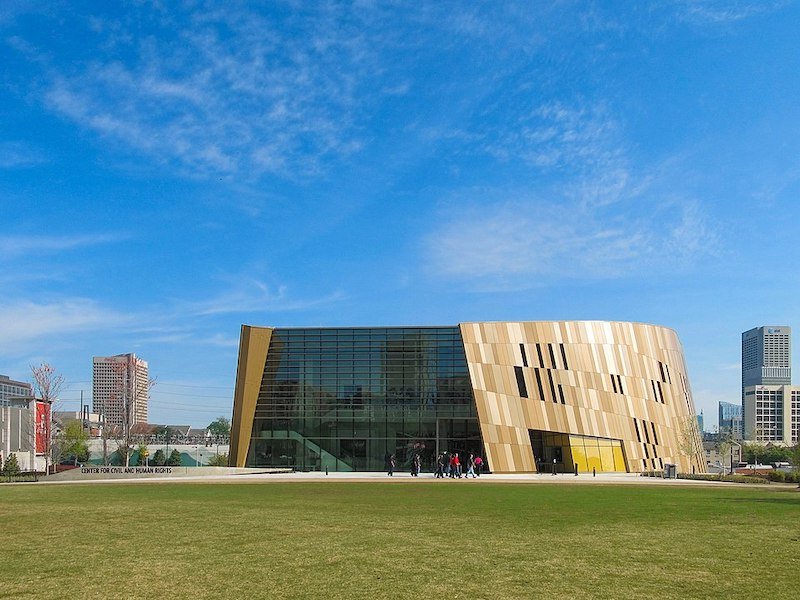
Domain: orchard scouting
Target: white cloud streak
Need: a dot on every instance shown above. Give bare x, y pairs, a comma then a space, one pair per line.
720, 12
254, 296
25, 322
523, 244
227, 92
18, 245
17, 155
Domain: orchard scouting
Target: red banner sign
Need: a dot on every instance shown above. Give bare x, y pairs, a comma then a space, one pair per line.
42, 427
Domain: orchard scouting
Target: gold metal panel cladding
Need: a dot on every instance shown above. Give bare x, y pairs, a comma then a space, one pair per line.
253, 347
614, 380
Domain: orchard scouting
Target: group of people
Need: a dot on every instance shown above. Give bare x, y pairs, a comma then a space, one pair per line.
448, 464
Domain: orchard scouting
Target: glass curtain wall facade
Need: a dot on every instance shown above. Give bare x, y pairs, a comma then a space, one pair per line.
347, 399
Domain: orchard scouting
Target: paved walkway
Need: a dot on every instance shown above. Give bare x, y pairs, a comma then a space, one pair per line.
406, 478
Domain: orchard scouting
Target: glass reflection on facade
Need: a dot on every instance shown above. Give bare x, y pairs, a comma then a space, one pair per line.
346, 399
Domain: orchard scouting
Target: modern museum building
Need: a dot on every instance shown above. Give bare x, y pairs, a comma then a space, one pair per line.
585, 395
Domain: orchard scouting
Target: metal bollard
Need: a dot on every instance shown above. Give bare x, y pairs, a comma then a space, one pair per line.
594, 471
326, 469
576, 470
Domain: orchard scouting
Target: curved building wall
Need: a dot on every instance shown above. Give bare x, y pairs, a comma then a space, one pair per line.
624, 384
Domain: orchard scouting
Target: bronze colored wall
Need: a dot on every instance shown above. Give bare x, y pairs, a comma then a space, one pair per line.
253, 347
575, 362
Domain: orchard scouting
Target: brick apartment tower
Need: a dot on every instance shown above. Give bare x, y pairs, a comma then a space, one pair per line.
119, 381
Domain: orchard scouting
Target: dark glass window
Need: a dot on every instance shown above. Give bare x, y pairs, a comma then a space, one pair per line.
539, 353
524, 356
552, 356
523, 390
539, 384
564, 357
552, 387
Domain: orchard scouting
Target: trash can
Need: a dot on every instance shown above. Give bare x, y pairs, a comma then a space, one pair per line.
670, 471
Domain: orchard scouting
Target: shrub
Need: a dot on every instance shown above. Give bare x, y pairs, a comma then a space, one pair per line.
218, 460
793, 477
730, 478
174, 459
11, 468
158, 460
777, 476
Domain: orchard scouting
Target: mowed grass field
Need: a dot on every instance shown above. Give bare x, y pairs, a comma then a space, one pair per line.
449, 539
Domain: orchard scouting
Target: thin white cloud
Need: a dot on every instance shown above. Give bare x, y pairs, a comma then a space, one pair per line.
227, 92
18, 245
254, 296
18, 155
524, 243
25, 322
716, 12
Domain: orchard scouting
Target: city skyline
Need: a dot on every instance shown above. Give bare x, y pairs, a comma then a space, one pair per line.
168, 174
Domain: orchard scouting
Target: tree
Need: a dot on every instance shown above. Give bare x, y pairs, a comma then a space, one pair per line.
174, 459
72, 442
143, 453
108, 433
129, 387
689, 441
220, 427
724, 445
11, 468
218, 460
47, 384
158, 460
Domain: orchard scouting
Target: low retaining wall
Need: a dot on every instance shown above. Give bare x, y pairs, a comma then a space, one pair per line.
109, 472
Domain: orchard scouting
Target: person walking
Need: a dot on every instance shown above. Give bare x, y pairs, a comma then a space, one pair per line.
439, 466
390, 464
455, 466
416, 465
470, 466
478, 465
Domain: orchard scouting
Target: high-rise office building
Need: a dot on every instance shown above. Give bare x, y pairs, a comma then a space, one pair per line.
767, 356
730, 419
772, 413
770, 403
120, 389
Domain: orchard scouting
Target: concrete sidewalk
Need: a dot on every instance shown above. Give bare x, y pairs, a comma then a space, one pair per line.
405, 478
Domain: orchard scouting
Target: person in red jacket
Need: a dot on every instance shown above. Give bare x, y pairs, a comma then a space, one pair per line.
455, 466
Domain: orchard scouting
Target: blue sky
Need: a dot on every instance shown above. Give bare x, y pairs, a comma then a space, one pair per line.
169, 171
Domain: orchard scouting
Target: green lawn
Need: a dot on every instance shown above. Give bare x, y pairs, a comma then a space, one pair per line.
449, 539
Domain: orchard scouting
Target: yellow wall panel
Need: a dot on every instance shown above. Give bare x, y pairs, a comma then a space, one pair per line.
253, 346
